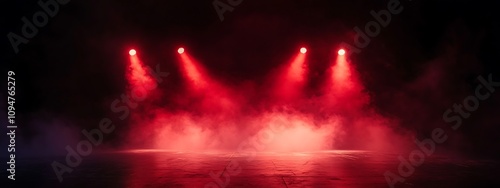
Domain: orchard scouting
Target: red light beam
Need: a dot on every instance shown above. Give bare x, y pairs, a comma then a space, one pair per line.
192, 70
296, 70
290, 82
139, 80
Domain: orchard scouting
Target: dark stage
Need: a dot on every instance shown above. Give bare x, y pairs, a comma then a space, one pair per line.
240, 93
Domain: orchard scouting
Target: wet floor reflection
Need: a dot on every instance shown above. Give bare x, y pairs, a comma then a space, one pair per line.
157, 168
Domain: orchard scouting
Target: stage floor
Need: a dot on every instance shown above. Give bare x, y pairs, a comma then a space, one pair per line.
153, 168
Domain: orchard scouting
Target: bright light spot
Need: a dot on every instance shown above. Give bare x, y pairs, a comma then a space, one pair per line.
341, 52
303, 50
132, 52
180, 50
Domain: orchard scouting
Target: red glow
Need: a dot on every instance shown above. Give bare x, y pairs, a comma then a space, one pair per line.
341, 71
218, 97
139, 80
193, 71
341, 52
132, 52
290, 79
210, 115
345, 86
296, 69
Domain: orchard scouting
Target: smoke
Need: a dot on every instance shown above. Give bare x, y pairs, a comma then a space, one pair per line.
396, 90
50, 136
280, 116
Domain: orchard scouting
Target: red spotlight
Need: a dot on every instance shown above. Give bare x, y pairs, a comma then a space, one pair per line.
132, 52
341, 52
138, 77
303, 50
180, 50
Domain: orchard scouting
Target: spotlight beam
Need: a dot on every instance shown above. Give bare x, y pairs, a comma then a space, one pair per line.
296, 69
138, 77
291, 81
192, 70
341, 72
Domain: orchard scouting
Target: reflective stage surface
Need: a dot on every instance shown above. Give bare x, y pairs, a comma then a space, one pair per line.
154, 168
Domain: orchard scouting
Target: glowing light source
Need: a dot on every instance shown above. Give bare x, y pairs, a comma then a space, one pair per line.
303, 50
341, 74
180, 50
132, 52
341, 52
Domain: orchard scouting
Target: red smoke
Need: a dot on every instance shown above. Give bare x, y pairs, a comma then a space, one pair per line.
290, 84
138, 79
208, 115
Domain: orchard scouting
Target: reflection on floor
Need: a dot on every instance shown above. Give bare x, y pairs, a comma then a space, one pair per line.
154, 168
